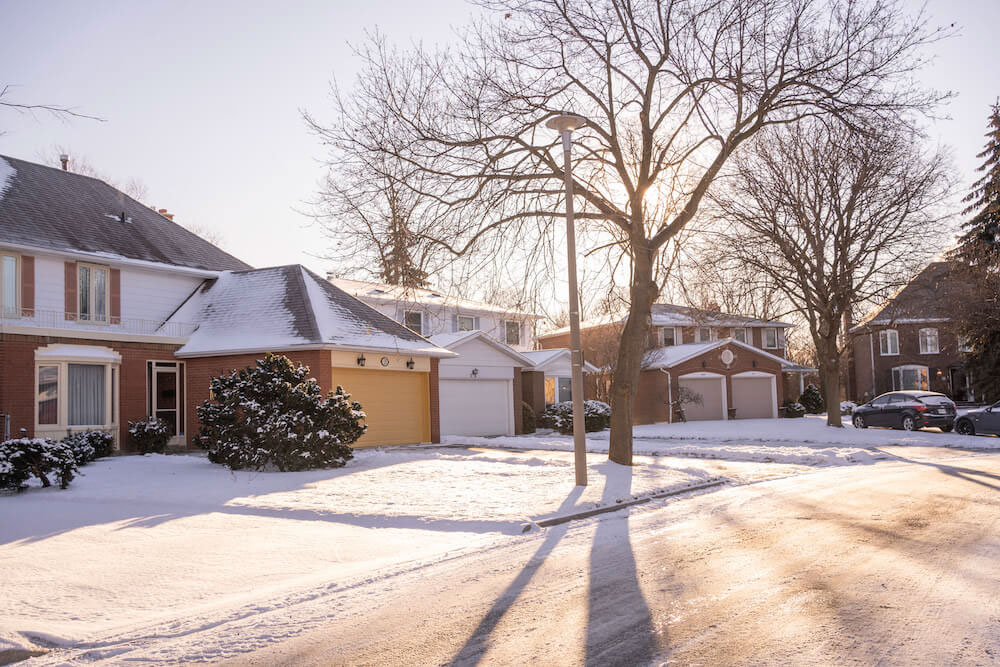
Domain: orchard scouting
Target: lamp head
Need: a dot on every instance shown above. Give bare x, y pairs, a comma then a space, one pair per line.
565, 122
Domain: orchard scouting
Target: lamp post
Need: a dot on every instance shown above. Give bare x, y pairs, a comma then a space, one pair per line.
565, 124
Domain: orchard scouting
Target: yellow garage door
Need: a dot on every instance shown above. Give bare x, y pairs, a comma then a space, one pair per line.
397, 404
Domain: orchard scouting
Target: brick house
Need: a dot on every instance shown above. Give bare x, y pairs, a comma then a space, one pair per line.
908, 343
109, 312
735, 364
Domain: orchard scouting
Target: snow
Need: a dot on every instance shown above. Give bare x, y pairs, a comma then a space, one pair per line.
7, 174
394, 293
545, 360
78, 352
671, 355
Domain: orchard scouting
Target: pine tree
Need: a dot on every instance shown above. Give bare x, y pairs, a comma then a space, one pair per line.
812, 400
981, 240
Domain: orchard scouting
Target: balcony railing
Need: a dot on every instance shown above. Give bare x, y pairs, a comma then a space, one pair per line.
57, 319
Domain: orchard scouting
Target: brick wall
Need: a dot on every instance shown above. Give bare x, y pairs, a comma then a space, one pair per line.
938, 365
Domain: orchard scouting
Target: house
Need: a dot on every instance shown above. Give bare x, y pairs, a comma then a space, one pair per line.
908, 343
735, 364
550, 379
112, 312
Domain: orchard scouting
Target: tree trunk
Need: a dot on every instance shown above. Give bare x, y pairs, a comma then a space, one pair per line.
829, 373
631, 349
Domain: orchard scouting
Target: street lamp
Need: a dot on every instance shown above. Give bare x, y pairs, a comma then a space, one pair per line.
565, 124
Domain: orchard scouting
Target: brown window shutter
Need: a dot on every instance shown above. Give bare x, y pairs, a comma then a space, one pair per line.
70, 290
116, 296
27, 286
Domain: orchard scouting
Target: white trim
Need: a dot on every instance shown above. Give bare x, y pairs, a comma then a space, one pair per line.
90, 335
920, 340
78, 353
763, 339
774, 387
752, 374
16, 311
477, 334
61, 356
420, 352
708, 375
881, 347
414, 312
113, 259
559, 353
785, 363
670, 397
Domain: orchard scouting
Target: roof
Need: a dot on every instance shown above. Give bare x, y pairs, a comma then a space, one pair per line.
425, 297
544, 358
45, 207
929, 297
284, 308
671, 355
452, 341
668, 314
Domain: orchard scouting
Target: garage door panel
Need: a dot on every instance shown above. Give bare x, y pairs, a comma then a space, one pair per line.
753, 398
475, 407
396, 404
710, 390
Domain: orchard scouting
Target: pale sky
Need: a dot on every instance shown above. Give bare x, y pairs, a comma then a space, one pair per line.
202, 99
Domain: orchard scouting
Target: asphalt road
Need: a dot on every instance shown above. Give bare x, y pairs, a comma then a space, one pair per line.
893, 563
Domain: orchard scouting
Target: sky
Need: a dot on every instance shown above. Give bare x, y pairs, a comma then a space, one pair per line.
203, 100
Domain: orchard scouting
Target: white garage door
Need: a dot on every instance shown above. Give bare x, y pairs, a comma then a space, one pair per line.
710, 390
476, 407
753, 397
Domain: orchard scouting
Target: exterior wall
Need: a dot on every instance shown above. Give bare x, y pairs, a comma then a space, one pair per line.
518, 397
938, 365
651, 399
533, 390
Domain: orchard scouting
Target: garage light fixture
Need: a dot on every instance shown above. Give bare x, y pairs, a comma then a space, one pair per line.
410, 364
361, 360
475, 372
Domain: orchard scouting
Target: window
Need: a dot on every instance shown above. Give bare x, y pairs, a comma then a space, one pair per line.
910, 377
888, 342
48, 395
76, 388
92, 293
9, 283
770, 338
703, 335
882, 400
512, 332
414, 321
85, 394
668, 336
550, 391
565, 390
740, 334
964, 344
928, 341
466, 323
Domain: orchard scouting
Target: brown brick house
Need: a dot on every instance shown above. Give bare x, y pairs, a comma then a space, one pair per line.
908, 343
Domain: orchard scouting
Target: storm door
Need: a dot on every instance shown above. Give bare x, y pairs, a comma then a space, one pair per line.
165, 400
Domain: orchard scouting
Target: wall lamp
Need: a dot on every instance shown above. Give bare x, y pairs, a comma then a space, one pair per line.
361, 360
475, 372
410, 364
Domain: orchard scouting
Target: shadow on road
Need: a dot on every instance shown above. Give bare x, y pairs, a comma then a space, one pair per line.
967, 474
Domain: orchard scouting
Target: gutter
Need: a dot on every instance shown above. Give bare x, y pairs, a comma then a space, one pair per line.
106, 258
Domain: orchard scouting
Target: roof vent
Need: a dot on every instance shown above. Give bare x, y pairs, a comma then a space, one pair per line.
64, 159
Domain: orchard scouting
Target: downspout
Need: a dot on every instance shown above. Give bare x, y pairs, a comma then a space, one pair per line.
670, 397
871, 355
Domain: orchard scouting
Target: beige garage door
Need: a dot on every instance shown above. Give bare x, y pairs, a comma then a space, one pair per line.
397, 404
753, 397
710, 390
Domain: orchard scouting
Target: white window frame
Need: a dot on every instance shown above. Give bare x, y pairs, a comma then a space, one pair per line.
927, 335
897, 372
884, 349
15, 310
663, 336
744, 330
407, 313
112, 393
763, 338
458, 322
92, 292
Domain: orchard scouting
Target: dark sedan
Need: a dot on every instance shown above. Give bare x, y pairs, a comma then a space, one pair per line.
984, 421
908, 410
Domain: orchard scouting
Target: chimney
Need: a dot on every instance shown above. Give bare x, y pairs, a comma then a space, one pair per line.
168, 216
65, 161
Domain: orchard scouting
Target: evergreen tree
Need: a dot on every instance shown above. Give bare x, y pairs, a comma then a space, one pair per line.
981, 240
812, 400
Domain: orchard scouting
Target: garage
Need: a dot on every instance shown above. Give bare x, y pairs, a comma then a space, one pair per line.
463, 402
755, 395
712, 389
397, 404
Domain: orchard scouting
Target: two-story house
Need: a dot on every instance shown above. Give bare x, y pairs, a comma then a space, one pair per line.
111, 312
908, 343
734, 364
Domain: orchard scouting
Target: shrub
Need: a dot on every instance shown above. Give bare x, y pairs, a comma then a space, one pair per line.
150, 435
39, 457
559, 416
89, 445
793, 409
528, 420
274, 416
812, 400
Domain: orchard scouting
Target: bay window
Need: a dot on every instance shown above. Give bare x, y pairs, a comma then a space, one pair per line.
910, 377
76, 387
48, 395
92, 293
9, 284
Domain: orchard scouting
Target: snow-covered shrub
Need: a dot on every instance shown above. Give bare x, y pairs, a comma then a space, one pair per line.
793, 409
89, 445
150, 435
559, 416
275, 416
24, 458
812, 400
528, 418
847, 407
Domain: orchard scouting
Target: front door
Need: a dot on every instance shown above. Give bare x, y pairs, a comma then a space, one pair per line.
166, 397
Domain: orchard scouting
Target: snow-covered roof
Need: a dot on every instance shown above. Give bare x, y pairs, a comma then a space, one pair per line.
7, 173
91, 353
383, 293
287, 307
453, 341
544, 359
668, 314
928, 297
671, 355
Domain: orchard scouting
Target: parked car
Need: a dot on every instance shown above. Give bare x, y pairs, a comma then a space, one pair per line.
908, 410
980, 422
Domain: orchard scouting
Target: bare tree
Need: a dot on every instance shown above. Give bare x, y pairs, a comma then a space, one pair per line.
57, 110
832, 216
670, 90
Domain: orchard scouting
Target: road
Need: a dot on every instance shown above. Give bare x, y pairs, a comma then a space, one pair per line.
892, 563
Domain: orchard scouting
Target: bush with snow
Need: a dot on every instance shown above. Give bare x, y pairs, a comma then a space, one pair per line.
150, 435
793, 409
89, 445
275, 416
559, 416
812, 400
24, 458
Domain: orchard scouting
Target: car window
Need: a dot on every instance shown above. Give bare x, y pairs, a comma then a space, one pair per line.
934, 399
996, 406
881, 400
899, 398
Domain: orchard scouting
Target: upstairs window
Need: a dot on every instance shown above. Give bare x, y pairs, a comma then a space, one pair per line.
466, 323
512, 332
929, 341
740, 334
92, 293
9, 284
770, 338
668, 336
414, 321
888, 342
964, 344
703, 335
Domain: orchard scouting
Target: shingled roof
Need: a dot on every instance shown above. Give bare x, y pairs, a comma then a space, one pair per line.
45, 207
286, 307
930, 296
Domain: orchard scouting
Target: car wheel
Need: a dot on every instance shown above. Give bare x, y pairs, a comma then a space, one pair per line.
909, 423
859, 422
947, 428
965, 427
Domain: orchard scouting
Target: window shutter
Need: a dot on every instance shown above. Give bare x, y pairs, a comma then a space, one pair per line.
116, 296
27, 286
70, 302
